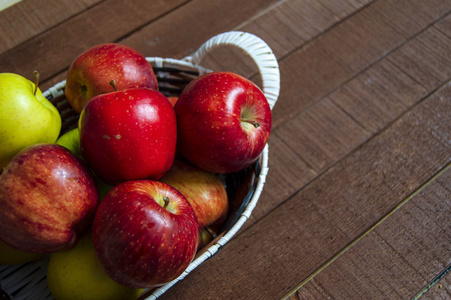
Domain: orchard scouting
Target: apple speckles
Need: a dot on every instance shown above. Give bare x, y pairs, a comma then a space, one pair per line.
106, 137
117, 136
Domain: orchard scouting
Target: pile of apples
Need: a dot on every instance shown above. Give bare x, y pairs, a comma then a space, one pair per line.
139, 174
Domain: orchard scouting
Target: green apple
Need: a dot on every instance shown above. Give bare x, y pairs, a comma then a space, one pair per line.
12, 256
71, 140
78, 274
26, 116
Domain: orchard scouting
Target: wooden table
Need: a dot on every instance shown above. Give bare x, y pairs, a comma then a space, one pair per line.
357, 203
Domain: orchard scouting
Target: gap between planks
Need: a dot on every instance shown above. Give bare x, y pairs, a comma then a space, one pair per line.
363, 234
432, 283
161, 16
356, 74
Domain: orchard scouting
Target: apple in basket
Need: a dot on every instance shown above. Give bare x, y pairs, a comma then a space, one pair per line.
48, 198
90, 73
26, 116
145, 233
223, 122
128, 135
205, 192
78, 274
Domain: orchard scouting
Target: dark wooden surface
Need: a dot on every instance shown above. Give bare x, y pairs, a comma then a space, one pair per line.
357, 203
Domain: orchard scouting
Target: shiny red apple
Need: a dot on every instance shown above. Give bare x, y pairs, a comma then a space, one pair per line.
205, 192
145, 233
128, 135
224, 122
47, 197
91, 72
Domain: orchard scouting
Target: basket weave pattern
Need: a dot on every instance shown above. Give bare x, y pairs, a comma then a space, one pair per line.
243, 188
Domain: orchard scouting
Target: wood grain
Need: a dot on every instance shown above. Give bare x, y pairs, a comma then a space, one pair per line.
378, 95
157, 38
397, 257
286, 27
367, 104
433, 46
340, 54
54, 50
27, 19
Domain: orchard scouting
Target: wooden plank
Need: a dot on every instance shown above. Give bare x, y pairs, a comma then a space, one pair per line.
27, 19
396, 258
166, 36
348, 48
440, 289
373, 99
298, 20
53, 51
157, 36
408, 17
290, 25
323, 135
378, 95
299, 235
196, 20
287, 173
157, 39
230, 59
445, 26
434, 48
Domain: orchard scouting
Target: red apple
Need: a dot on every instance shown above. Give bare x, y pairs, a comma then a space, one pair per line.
145, 233
223, 122
204, 191
47, 197
128, 135
91, 72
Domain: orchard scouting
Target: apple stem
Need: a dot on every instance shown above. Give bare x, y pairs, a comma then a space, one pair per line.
211, 232
255, 123
166, 202
36, 81
113, 84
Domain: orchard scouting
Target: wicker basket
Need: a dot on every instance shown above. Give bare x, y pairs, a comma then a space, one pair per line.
28, 281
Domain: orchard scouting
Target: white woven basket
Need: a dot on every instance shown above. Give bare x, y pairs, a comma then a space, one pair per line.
28, 281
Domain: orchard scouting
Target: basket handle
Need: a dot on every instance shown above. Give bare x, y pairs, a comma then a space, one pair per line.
257, 49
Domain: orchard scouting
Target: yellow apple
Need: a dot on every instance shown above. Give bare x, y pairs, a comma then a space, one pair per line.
78, 274
26, 116
12, 256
